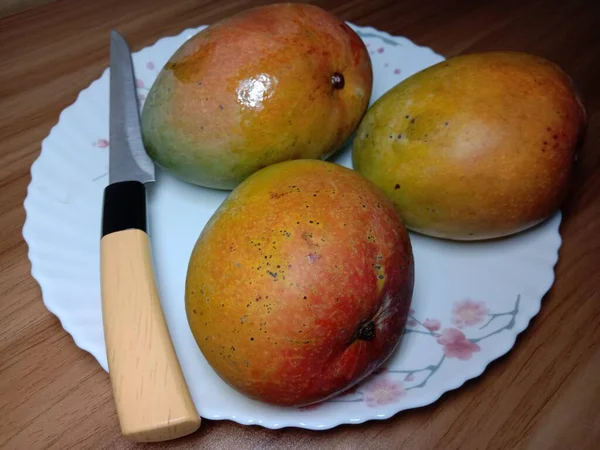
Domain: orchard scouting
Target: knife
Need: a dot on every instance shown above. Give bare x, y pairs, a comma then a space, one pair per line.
152, 399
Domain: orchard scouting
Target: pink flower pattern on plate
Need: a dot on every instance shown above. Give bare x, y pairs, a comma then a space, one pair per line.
150, 65
380, 388
467, 313
432, 324
383, 391
139, 83
101, 143
456, 344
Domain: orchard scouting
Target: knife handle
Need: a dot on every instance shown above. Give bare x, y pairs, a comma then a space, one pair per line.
152, 399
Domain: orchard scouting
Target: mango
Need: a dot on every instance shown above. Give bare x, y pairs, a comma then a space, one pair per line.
476, 147
300, 284
270, 84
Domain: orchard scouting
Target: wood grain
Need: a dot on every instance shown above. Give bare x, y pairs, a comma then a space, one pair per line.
8, 7
151, 396
544, 394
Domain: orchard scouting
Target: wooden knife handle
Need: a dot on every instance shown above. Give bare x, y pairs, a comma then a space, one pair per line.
152, 398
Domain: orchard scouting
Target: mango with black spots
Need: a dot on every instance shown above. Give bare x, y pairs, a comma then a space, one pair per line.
476, 147
300, 284
270, 84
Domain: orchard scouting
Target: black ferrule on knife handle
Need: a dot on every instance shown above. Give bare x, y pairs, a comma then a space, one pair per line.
124, 207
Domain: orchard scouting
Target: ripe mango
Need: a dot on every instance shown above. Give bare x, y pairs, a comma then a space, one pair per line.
300, 284
479, 146
272, 83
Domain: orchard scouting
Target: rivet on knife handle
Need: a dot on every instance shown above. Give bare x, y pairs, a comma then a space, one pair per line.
152, 399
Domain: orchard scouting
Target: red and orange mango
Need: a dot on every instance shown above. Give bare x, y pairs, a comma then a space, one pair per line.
300, 284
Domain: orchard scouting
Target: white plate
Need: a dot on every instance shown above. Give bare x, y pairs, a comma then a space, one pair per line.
470, 300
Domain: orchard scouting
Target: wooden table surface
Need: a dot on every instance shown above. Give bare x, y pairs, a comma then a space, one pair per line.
544, 394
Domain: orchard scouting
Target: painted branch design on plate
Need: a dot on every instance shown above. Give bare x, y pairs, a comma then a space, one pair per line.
389, 385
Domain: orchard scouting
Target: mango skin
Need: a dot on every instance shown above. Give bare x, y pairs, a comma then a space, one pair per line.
297, 259
256, 89
479, 146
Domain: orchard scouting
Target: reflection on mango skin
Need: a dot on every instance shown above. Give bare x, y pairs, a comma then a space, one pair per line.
252, 91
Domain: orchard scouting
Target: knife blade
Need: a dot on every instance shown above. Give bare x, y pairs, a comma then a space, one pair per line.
128, 158
151, 396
